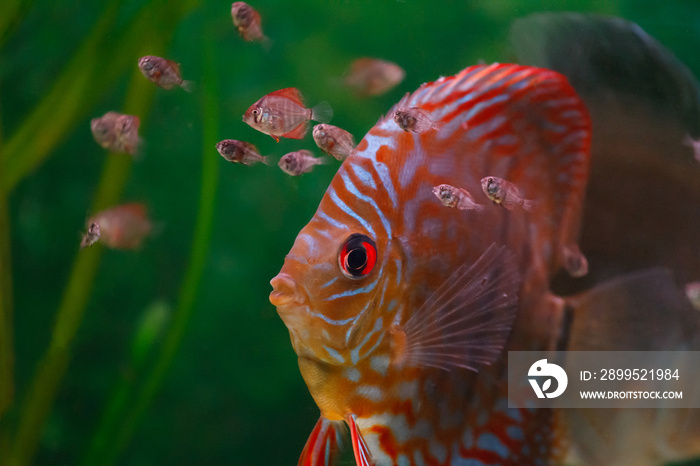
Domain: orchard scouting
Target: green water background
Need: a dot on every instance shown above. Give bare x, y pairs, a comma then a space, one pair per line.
172, 354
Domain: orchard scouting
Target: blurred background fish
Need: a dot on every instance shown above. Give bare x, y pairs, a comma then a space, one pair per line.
692, 290
247, 21
372, 76
121, 227
117, 132
91, 236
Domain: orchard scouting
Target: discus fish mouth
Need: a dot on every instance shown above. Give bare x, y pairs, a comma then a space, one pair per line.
284, 290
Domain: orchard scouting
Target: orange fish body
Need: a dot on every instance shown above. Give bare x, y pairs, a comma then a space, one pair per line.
386, 292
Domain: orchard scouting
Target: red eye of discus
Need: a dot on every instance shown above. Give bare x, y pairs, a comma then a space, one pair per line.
358, 256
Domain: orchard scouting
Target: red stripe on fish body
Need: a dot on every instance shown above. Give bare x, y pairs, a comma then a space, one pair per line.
523, 124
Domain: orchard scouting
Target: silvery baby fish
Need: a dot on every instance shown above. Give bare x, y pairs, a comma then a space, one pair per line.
505, 193
240, 152
414, 119
282, 114
301, 161
458, 198
126, 129
334, 141
164, 73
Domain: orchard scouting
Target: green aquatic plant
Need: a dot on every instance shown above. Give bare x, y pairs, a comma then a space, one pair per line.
74, 92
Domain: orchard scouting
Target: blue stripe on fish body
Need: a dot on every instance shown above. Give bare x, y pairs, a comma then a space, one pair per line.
353, 292
336, 223
355, 353
364, 176
489, 441
348, 210
354, 191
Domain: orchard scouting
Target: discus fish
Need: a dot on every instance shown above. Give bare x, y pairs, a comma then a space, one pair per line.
164, 73
283, 114
122, 227
371, 76
117, 132
241, 152
400, 311
247, 21
384, 292
91, 237
415, 120
504, 193
455, 197
301, 161
334, 141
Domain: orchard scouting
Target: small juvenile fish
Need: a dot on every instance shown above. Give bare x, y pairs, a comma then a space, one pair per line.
334, 141
103, 129
504, 193
164, 73
247, 21
575, 263
301, 161
91, 237
116, 132
692, 291
414, 119
126, 130
240, 152
122, 227
371, 76
283, 114
459, 198
695, 145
